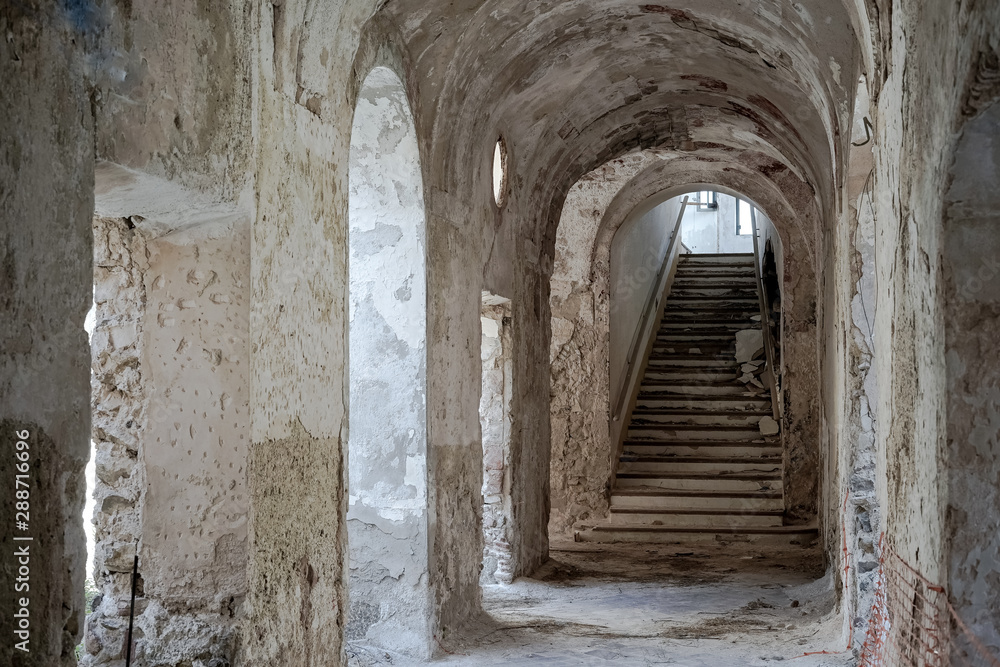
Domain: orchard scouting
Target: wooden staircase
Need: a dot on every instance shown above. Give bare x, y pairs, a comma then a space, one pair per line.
695, 467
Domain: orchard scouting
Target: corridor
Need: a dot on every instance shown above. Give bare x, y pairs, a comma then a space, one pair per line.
399, 346
653, 605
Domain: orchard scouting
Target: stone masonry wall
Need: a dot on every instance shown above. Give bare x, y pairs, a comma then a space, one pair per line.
494, 417
120, 399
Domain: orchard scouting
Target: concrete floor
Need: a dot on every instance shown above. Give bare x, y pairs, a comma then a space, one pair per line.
652, 605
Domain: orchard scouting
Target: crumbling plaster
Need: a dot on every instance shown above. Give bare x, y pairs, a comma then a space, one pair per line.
919, 110
849, 462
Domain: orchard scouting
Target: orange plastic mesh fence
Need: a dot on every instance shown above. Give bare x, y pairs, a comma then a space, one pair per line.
912, 624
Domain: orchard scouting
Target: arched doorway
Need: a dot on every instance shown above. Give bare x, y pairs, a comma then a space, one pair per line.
387, 443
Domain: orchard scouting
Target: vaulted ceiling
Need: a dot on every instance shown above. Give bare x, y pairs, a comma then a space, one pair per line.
573, 84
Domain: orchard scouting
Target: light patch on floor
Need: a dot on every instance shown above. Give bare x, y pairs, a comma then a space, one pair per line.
595, 604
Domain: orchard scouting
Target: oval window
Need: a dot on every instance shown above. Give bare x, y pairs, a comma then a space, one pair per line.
500, 172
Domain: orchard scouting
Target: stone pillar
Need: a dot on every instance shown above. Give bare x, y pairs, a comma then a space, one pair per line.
46, 203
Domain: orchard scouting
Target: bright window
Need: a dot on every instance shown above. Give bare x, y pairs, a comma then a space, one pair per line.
744, 224
706, 201
500, 172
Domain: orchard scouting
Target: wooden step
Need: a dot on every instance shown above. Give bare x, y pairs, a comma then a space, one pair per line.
697, 388
676, 418
717, 349
742, 314
665, 344
787, 536
654, 374
661, 352
727, 326
667, 499
739, 275
660, 432
701, 448
620, 516
697, 311
698, 482
700, 464
697, 336
710, 304
690, 361
708, 403
710, 292
745, 257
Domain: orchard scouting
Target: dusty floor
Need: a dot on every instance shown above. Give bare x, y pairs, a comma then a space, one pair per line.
652, 605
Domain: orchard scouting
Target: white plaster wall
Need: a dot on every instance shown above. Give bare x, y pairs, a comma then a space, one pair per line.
637, 253
387, 460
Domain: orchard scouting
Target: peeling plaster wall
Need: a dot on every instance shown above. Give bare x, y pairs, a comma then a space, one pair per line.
853, 513
971, 274
297, 570
942, 69
863, 516
387, 471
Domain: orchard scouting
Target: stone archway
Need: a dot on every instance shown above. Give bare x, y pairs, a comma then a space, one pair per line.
580, 307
